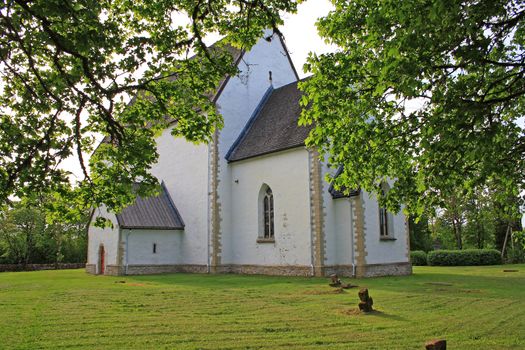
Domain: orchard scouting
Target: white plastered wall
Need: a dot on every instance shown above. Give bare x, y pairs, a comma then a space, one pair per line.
383, 251
342, 244
338, 226
108, 237
183, 166
237, 102
139, 244
286, 173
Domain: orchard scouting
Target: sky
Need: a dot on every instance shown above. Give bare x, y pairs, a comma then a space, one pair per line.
300, 32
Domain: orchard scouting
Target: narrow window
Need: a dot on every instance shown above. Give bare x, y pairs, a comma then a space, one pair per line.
268, 214
384, 215
154, 248
383, 222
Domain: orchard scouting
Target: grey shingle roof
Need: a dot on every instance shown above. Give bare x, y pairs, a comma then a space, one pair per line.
274, 126
342, 192
157, 213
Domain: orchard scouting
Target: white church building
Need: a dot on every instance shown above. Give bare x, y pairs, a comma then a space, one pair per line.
254, 200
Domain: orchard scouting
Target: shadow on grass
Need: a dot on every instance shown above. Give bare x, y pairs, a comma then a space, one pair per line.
436, 279
374, 313
225, 280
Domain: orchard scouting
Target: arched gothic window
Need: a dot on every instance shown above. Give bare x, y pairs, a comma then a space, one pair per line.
384, 216
268, 214
383, 222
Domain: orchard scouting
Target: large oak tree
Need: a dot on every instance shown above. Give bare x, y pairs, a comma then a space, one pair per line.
426, 93
70, 67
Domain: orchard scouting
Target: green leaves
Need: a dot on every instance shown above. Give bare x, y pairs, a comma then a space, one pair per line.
78, 71
427, 94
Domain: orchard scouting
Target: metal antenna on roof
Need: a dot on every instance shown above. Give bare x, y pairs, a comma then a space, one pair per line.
270, 77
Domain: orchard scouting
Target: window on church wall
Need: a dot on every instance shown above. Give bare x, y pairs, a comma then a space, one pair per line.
385, 218
266, 221
383, 222
268, 214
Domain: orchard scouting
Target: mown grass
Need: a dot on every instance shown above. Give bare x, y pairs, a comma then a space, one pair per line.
472, 307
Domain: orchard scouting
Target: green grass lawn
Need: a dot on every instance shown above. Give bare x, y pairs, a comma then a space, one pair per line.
472, 307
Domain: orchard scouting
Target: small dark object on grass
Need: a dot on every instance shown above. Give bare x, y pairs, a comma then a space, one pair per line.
510, 270
436, 345
366, 302
337, 283
120, 281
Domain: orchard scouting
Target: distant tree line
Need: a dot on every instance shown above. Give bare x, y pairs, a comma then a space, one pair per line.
28, 236
471, 221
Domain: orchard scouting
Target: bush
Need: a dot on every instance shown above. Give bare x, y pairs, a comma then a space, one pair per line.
467, 257
418, 258
515, 255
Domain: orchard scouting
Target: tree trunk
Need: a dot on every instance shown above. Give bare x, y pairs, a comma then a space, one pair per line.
457, 232
509, 230
480, 235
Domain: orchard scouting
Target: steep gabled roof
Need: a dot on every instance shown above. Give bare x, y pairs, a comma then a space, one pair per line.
274, 126
156, 213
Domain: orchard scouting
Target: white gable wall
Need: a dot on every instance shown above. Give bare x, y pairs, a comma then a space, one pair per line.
139, 244
343, 231
337, 226
183, 166
237, 102
383, 251
286, 173
108, 237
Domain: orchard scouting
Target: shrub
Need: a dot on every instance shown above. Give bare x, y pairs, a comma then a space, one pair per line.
515, 255
418, 258
467, 257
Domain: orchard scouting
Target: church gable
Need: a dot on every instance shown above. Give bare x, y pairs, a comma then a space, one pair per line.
274, 127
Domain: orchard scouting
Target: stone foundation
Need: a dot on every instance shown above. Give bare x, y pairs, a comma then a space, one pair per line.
377, 270
156, 269
371, 270
274, 270
114, 270
339, 270
91, 268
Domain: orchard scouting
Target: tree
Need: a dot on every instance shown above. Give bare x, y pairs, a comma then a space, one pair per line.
69, 69
20, 232
428, 93
420, 238
27, 236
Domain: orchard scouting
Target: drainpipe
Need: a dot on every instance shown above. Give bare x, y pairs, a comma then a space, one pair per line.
127, 250
208, 263
352, 248
310, 210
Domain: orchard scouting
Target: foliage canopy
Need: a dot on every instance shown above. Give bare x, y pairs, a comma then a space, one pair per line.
69, 68
428, 93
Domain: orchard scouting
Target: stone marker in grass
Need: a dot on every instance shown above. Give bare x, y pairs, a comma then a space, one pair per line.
336, 282
366, 302
436, 345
